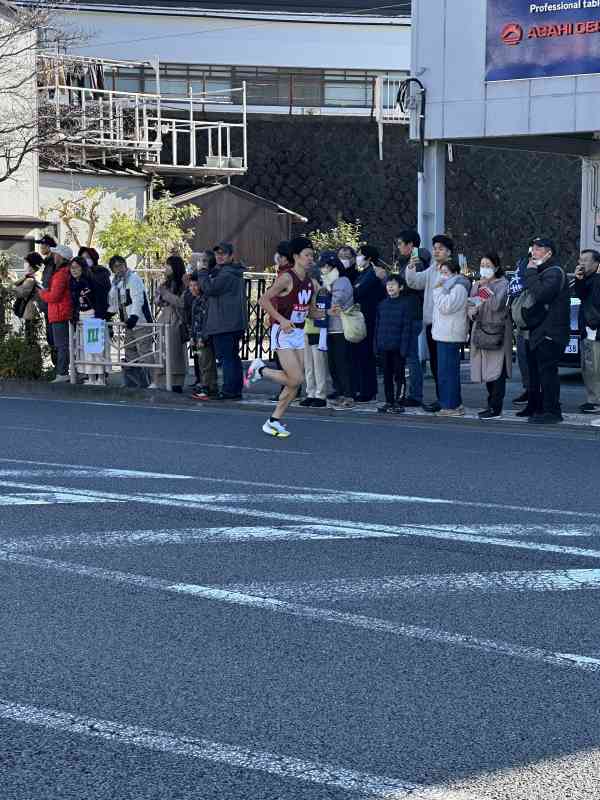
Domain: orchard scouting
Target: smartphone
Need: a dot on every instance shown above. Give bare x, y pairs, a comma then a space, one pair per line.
415, 252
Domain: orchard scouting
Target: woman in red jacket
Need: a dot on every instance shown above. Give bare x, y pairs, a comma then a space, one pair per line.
60, 308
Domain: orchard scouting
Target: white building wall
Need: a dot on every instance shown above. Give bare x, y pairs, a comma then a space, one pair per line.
449, 57
189, 39
125, 193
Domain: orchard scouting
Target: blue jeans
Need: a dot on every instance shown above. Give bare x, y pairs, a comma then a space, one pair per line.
449, 374
227, 351
415, 372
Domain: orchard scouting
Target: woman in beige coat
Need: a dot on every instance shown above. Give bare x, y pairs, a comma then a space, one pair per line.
171, 313
24, 289
491, 335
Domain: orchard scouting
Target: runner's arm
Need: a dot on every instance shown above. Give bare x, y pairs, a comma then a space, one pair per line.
281, 286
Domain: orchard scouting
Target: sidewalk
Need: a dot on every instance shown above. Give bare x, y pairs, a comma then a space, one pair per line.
258, 396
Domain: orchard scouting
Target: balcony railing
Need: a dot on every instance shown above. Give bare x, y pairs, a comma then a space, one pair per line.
91, 124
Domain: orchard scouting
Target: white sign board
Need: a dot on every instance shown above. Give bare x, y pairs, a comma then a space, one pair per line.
94, 332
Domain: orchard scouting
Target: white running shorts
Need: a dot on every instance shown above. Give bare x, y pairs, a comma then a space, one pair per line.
286, 341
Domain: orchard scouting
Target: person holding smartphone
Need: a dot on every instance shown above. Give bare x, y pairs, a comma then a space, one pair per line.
491, 334
546, 281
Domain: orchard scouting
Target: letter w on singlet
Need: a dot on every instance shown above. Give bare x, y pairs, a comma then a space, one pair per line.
304, 296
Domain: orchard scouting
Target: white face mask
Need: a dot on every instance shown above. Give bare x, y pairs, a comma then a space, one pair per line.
346, 262
276, 259
487, 273
361, 261
89, 261
329, 278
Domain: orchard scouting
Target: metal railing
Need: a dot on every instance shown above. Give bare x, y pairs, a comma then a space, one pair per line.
153, 340
154, 131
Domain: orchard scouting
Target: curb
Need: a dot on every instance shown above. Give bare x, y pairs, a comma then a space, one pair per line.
163, 399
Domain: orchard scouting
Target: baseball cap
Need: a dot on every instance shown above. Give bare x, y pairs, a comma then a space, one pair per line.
542, 241
329, 258
226, 247
63, 250
47, 240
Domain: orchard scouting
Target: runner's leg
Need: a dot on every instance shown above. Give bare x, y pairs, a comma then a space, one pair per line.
291, 377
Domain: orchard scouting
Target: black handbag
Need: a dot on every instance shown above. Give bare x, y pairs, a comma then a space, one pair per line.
489, 336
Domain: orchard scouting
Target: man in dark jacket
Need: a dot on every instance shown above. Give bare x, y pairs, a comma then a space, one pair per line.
409, 242
369, 291
226, 316
46, 243
549, 332
587, 288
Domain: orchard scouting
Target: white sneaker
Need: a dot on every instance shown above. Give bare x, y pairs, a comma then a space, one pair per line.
61, 379
153, 386
253, 373
274, 428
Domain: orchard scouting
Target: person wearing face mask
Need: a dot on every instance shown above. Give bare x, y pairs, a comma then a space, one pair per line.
316, 364
426, 281
100, 274
347, 255
369, 291
491, 335
336, 281
450, 331
171, 305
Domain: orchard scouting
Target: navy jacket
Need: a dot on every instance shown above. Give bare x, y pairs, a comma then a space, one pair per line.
395, 317
369, 291
588, 291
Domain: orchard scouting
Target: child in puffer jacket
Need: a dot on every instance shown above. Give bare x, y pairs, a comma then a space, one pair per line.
395, 316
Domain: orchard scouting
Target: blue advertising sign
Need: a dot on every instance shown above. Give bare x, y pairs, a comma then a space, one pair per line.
542, 39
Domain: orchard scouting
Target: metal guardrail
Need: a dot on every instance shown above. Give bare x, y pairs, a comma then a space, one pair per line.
157, 356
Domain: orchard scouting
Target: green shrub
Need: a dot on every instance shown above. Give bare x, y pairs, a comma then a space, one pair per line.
20, 358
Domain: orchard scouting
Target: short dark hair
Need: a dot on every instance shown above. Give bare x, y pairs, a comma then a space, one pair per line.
410, 236
34, 260
370, 252
299, 244
594, 253
396, 279
452, 265
194, 275
444, 240
115, 260
283, 249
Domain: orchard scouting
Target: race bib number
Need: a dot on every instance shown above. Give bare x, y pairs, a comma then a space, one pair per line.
299, 314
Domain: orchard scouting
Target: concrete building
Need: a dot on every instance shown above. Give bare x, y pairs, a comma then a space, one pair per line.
507, 75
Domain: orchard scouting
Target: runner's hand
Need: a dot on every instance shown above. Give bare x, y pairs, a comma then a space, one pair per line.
287, 326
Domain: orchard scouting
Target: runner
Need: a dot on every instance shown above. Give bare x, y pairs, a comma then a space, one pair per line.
288, 301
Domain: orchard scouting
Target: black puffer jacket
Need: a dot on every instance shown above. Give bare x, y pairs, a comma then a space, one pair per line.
588, 291
550, 287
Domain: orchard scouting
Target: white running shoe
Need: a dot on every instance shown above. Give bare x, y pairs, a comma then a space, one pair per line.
274, 428
253, 373
61, 379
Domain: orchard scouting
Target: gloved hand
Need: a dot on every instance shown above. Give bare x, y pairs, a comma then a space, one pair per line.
132, 321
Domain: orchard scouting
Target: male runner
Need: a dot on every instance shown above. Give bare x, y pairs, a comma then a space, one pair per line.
289, 301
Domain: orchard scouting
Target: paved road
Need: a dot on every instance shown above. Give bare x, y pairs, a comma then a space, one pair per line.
372, 608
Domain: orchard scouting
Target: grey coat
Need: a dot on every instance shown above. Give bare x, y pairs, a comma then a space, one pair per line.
486, 365
226, 295
172, 313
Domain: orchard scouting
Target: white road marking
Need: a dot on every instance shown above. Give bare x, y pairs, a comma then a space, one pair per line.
368, 497
360, 621
49, 499
189, 536
394, 585
414, 531
276, 764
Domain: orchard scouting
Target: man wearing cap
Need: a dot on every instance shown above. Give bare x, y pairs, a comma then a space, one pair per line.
226, 316
60, 308
548, 333
46, 243
425, 281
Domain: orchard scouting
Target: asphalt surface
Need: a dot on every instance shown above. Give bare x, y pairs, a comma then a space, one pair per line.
379, 608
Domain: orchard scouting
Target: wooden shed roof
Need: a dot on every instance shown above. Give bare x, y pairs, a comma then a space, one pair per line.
189, 197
